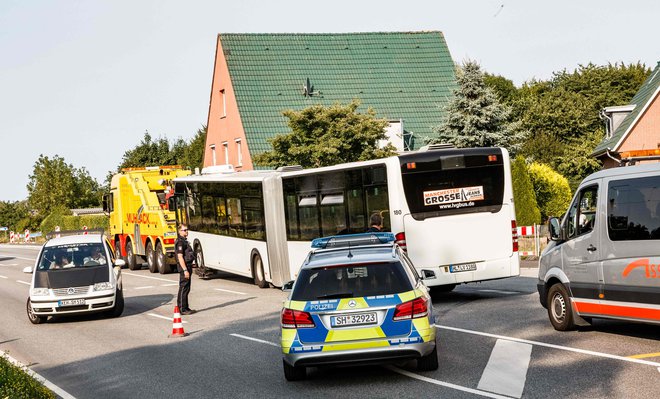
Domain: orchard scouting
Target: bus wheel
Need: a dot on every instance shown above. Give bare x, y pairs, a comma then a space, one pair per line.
161, 263
151, 258
118, 249
130, 257
559, 308
443, 288
258, 272
202, 271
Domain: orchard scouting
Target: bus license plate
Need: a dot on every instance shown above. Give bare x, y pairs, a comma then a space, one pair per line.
71, 302
466, 267
353, 319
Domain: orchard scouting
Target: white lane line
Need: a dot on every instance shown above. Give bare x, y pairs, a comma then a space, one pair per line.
23, 282
403, 372
144, 287
169, 285
139, 275
254, 339
163, 317
500, 292
506, 371
230, 291
8, 264
444, 384
4, 277
59, 391
564, 348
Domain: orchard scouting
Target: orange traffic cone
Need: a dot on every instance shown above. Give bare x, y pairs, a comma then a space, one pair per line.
177, 325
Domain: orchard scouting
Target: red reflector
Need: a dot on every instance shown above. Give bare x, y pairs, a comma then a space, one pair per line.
296, 319
411, 165
418, 307
514, 235
168, 241
492, 158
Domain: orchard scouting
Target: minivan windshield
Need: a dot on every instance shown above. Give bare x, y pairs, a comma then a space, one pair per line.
81, 255
351, 281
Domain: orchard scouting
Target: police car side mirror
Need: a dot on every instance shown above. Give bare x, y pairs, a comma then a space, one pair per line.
28, 270
120, 262
287, 286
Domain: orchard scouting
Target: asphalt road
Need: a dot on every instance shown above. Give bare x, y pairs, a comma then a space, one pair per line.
494, 339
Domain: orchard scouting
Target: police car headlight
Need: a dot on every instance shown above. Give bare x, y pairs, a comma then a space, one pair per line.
39, 291
103, 286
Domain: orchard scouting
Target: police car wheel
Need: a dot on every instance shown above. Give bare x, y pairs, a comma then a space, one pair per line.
428, 362
163, 267
258, 271
292, 373
151, 258
34, 319
559, 308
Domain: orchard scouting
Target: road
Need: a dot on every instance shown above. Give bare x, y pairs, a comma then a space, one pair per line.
494, 339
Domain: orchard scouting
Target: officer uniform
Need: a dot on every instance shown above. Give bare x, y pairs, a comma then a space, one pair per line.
181, 246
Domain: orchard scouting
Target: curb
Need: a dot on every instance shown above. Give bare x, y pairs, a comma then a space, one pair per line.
57, 390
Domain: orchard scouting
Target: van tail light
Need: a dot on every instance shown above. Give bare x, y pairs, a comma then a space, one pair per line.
296, 319
514, 235
401, 240
418, 307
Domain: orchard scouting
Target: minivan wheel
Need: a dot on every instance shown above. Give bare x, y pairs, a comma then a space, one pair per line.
34, 319
293, 373
429, 362
560, 311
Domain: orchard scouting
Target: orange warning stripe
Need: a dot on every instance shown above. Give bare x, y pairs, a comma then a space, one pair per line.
617, 310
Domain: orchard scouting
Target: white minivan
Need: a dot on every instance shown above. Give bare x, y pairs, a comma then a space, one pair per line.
604, 257
74, 274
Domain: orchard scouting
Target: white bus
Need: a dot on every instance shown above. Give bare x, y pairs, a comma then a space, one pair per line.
452, 209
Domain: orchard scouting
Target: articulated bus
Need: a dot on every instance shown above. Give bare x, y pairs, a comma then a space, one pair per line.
451, 209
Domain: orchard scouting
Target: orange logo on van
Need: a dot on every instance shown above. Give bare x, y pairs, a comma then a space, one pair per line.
652, 271
135, 218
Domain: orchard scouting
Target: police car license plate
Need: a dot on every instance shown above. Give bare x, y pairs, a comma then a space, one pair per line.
466, 267
353, 319
71, 302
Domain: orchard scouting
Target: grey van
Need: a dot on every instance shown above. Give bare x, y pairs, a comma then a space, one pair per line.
604, 257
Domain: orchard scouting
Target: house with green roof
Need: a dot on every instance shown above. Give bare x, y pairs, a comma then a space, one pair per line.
406, 77
633, 131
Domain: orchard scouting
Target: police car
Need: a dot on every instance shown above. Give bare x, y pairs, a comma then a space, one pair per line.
75, 273
357, 299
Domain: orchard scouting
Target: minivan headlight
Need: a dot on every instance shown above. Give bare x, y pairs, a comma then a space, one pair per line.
106, 285
39, 291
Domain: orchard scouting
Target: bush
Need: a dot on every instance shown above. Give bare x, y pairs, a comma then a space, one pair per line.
527, 210
56, 218
16, 383
553, 194
70, 222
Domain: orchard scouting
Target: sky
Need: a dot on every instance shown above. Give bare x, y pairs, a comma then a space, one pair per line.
85, 79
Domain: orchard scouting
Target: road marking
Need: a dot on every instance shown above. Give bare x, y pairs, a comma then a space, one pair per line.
8, 264
139, 275
506, 371
500, 292
254, 339
144, 288
4, 277
443, 383
169, 285
59, 391
233, 292
23, 282
657, 354
163, 317
565, 348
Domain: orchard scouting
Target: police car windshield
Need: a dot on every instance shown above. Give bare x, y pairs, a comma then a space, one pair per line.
70, 256
351, 281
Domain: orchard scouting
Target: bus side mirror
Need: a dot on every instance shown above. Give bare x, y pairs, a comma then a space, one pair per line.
171, 204
287, 286
555, 229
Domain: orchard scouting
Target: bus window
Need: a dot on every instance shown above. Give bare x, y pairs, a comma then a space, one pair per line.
308, 217
377, 202
235, 217
194, 210
333, 214
254, 219
209, 221
221, 215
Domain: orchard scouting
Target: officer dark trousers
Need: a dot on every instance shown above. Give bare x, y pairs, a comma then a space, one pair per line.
184, 290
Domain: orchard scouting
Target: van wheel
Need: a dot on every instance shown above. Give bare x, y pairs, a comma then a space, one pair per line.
292, 373
118, 309
258, 272
429, 362
560, 311
151, 258
130, 258
34, 319
161, 263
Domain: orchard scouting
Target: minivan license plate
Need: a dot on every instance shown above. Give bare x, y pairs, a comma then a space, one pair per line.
71, 302
466, 267
353, 319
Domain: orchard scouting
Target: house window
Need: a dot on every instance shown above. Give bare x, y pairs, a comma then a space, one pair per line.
224, 103
225, 147
213, 154
240, 153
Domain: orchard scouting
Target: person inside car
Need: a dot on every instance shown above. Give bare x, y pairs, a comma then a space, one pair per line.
61, 261
95, 258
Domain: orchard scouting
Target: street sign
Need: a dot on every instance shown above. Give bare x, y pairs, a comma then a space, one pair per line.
4, 228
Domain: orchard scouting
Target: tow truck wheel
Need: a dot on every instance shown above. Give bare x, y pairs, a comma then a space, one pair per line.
130, 258
34, 319
161, 263
292, 373
258, 272
118, 249
560, 311
151, 258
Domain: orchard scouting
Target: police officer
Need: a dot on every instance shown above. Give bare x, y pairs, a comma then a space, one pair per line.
184, 261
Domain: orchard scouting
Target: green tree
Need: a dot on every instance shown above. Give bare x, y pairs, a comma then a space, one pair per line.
327, 135
527, 210
11, 213
553, 193
51, 183
475, 117
149, 153
193, 154
506, 91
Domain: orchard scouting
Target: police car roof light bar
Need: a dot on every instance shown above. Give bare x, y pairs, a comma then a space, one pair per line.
352, 240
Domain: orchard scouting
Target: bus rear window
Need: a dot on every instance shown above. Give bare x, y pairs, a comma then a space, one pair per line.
450, 182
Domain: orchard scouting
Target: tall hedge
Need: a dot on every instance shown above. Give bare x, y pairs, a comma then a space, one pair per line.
527, 210
553, 193
69, 222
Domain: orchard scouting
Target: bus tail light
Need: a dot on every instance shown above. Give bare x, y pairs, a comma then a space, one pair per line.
514, 235
401, 240
296, 319
411, 310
